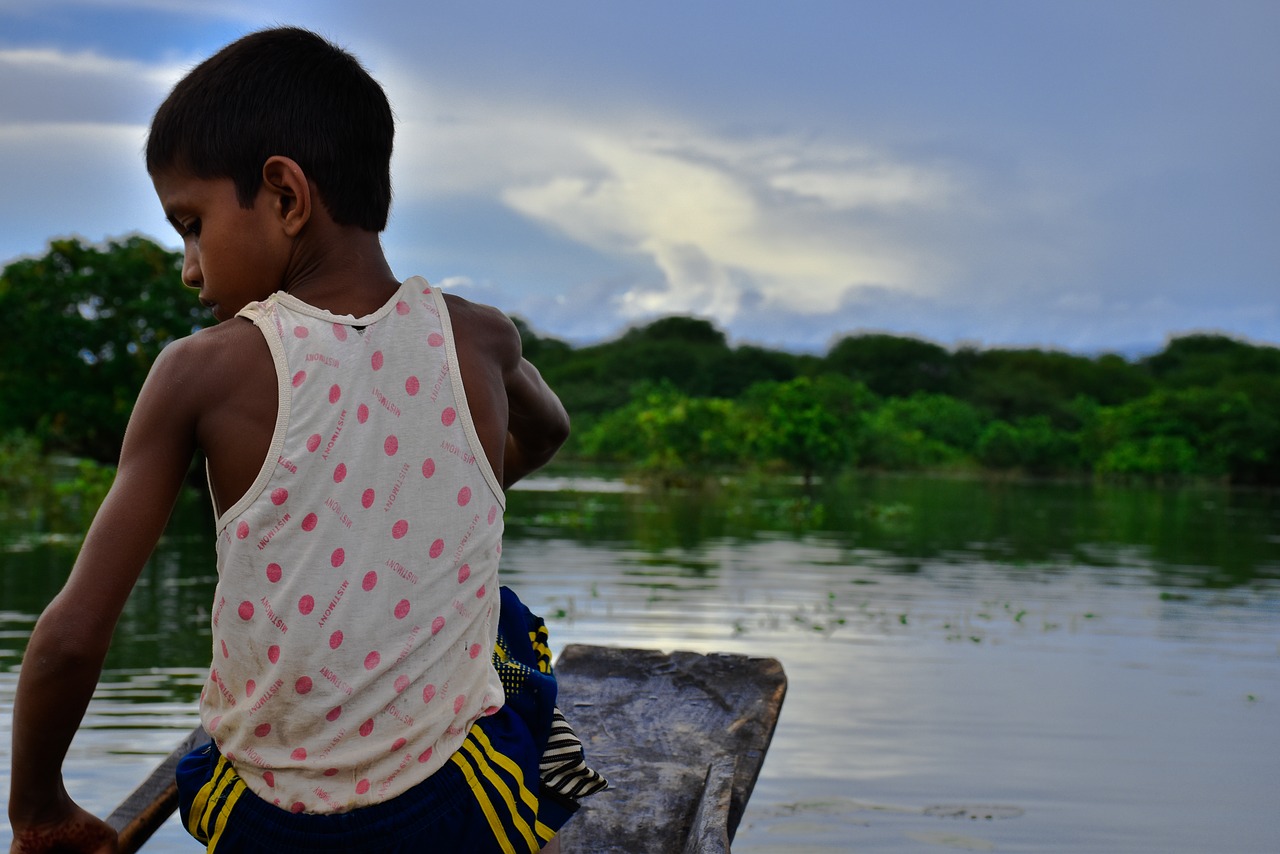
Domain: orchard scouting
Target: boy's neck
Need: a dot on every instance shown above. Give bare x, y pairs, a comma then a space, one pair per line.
341, 269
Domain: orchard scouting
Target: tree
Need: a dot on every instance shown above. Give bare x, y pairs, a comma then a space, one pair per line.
86, 324
665, 432
893, 366
810, 424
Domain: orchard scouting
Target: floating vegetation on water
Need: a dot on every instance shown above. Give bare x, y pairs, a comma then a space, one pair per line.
975, 812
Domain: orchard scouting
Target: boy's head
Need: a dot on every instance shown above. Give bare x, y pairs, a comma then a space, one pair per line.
283, 92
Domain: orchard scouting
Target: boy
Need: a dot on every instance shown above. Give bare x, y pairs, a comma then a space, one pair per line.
371, 689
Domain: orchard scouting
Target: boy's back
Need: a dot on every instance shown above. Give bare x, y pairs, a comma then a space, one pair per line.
279, 221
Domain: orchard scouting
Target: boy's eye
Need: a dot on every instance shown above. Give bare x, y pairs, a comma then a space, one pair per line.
192, 228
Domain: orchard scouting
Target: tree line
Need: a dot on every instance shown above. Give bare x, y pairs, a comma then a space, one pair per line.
673, 398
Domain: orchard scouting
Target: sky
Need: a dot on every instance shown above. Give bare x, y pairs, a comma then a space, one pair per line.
1090, 176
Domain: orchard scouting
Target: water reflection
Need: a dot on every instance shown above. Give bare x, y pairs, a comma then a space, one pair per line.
1091, 665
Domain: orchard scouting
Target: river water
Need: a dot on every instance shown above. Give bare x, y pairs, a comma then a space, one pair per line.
972, 665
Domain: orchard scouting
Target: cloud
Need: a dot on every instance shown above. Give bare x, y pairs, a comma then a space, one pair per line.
718, 220
48, 85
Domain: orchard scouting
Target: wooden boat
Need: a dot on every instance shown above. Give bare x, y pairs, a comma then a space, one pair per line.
681, 737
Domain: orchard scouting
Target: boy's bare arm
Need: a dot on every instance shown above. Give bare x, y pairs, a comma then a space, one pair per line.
69, 643
519, 419
537, 424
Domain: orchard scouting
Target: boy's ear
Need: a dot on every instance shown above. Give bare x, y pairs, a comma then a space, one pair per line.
290, 192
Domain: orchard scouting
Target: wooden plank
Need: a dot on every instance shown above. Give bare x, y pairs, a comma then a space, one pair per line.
656, 724
709, 833
150, 805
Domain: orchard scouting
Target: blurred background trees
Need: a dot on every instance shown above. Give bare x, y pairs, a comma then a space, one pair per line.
674, 398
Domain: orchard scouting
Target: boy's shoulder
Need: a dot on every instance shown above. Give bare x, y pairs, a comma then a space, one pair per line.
213, 359
481, 325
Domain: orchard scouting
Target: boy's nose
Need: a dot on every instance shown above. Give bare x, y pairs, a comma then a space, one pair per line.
191, 276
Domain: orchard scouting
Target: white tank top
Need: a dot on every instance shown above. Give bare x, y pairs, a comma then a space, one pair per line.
357, 599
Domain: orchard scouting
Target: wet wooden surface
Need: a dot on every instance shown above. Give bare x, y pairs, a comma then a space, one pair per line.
681, 738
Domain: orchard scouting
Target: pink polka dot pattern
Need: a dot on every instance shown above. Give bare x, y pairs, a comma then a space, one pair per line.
333, 617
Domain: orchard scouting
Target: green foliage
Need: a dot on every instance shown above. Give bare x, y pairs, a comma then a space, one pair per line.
673, 396
689, 354
893, 366
92, 321
49, 493
664, 432
1013, 384
1207, 361
1032, 445
811, 425
923, 431
1210, 432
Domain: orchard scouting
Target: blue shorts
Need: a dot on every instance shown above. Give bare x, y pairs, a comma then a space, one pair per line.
490, 796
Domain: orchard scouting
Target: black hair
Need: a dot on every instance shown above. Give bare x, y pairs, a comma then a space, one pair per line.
289, 92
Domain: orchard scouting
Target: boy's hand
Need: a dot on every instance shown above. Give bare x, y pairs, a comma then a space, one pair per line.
77, 831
